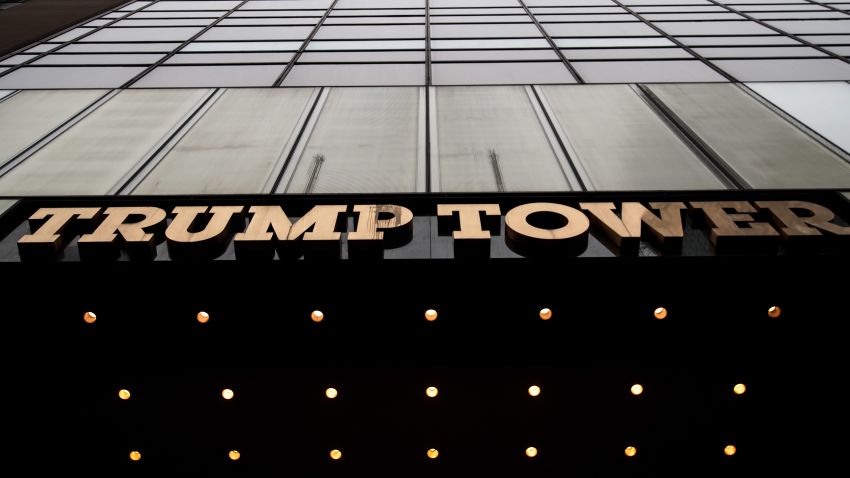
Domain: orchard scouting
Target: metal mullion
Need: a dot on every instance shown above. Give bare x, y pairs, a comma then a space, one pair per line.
552, 44
173, 52
303, 47
64, 44
777, 30
575, 175
427, 51
673, 39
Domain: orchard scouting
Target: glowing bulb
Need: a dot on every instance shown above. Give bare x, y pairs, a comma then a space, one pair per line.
136, 456
124, 394
203, 317
317, 316
430, 315
631, 451
431, 392
637, 389
89, 317
534, 390
234, 455
433, 453
739, 389
531, 452
545, 314
336, 454
660, 313
774, 311
227, 394
331, 393
729, 450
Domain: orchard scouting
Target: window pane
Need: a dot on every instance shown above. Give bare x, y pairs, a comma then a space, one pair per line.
256, 33
28, 116
366, 140
489, 44
745, 40
6, 204
243, 46
392, 74
483, 130
612, 42
212, 75
645, 71
714, 28
757, 52
92, 156
622, 144
143, 34
494, 55
124, 59
786, 70
500, 73
599, 29
824, 107
235, 145
626, 53
813, 26
361, 56
194, 5
119, 47
367, 45
69, 77
766, 150
339, 32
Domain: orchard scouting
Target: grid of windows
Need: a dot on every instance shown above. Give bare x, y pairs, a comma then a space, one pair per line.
671, 136
219, 43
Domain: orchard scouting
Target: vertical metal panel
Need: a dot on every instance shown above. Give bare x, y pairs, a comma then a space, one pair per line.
763, 148
621, 144
29, 115
234, 147
823, 107
487, 132
365, 140
92, 156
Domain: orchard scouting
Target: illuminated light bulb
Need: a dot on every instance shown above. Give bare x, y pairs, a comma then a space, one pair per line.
124, 394
432, 453
431, 392
774, 311
136, 456
331, 393
531, 452
317, 316
227, 394
534, 390
545, 314
336, 454
89, 317
739, 389
234, 455
631, 451
729, 450
637, 389
203, 317
430, 315
660, 313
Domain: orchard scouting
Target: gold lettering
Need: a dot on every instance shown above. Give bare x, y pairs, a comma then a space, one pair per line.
49, 238
560, 230
471, 237
791, 224
318, 228
625, 233
726, 234
257, 242
372, 234
210, 242
469, 216
137, 236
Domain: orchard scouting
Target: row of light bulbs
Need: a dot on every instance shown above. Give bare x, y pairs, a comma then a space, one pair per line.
432, 453
317, 316
432, 392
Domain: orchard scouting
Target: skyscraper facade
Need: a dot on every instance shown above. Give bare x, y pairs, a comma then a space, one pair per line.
204, 177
